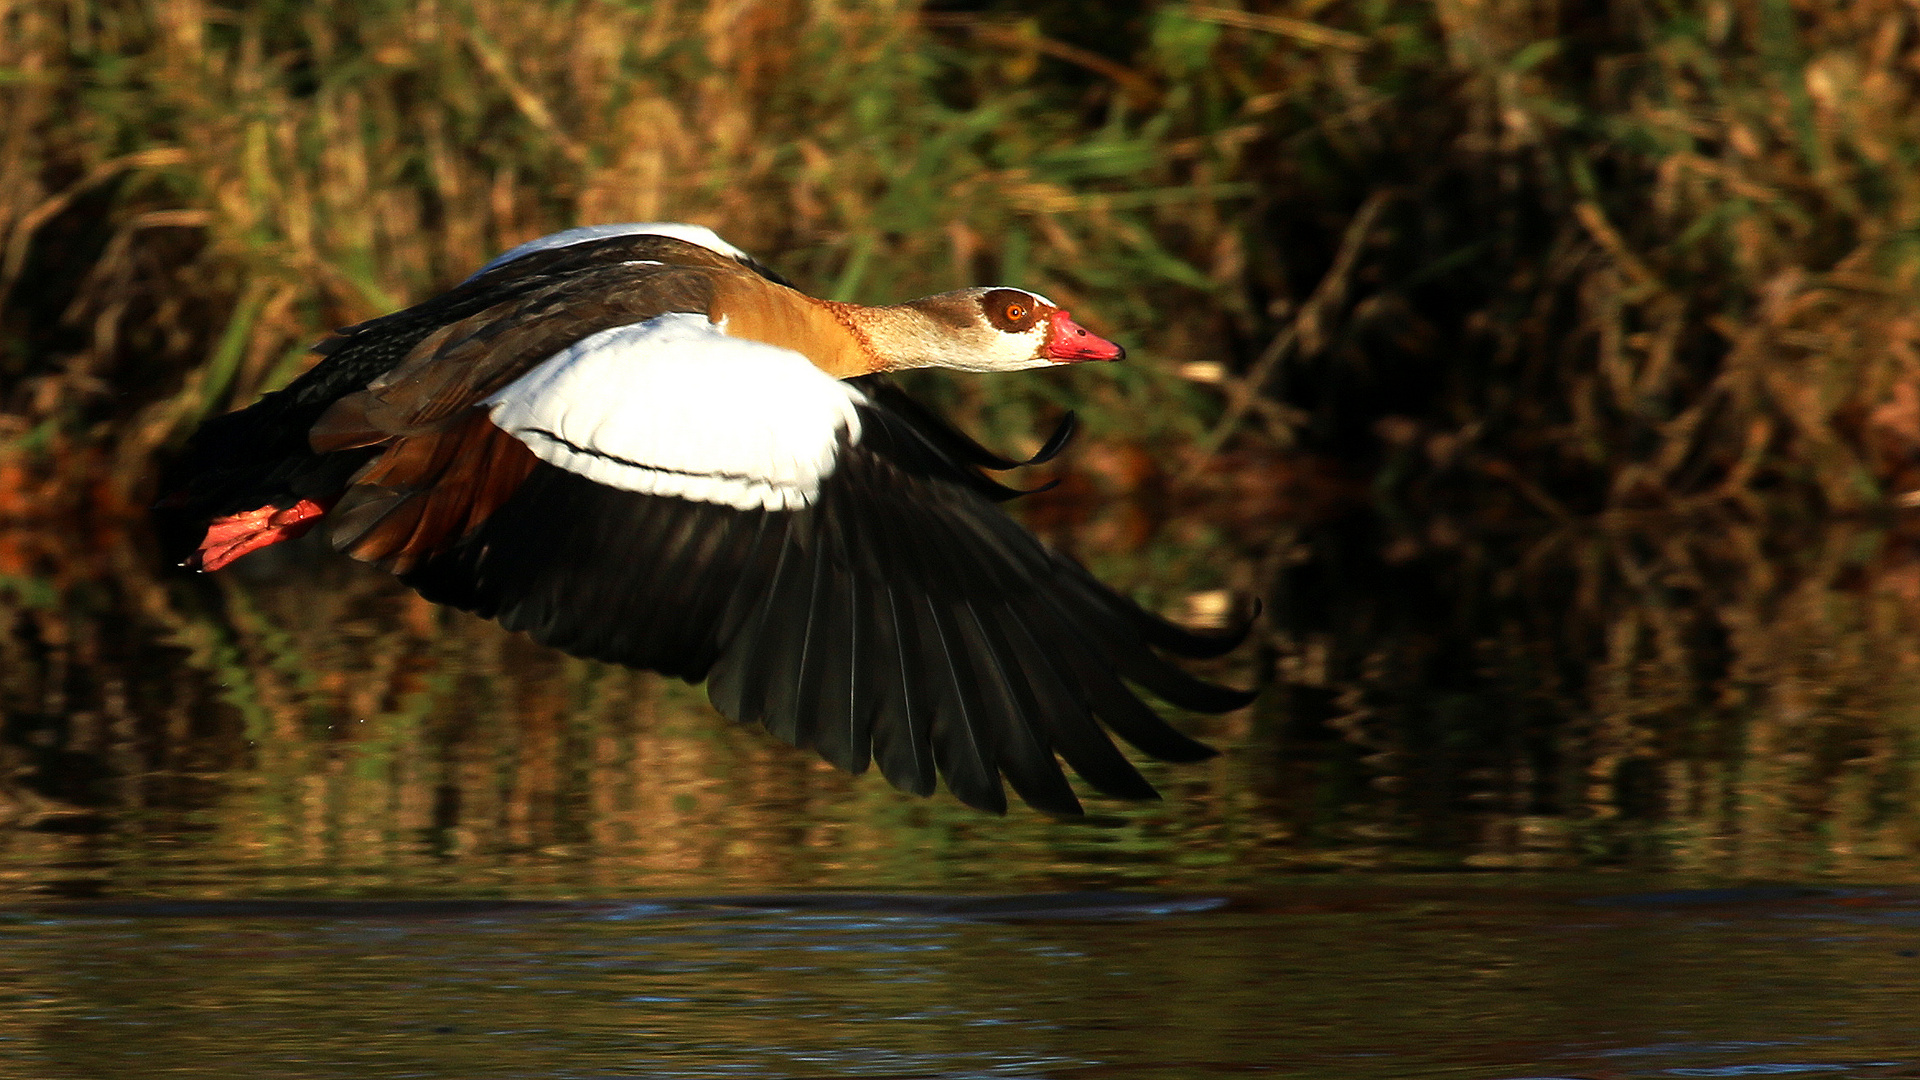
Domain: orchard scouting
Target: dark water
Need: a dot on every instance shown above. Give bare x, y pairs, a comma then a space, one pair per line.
1620, 802
1362, 979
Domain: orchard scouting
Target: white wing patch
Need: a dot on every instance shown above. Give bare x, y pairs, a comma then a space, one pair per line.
673, 406
693, 234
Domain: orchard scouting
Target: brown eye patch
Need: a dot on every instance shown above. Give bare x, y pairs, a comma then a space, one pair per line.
1010, 310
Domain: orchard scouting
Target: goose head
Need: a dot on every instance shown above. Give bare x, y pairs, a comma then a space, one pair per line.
991, 329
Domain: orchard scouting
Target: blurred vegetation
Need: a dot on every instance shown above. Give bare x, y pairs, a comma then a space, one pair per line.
1547, 258
1512, 348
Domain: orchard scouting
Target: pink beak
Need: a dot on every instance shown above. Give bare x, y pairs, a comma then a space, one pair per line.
1069, 343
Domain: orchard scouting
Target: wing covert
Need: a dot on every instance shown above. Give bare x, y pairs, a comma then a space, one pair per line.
674, 406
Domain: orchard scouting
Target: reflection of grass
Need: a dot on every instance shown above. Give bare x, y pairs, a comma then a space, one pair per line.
1643, 696
1694, 693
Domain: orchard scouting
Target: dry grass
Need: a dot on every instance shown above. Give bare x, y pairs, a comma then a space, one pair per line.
195, 192
1620, 255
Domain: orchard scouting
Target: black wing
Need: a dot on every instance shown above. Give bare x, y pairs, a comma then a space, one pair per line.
901, 618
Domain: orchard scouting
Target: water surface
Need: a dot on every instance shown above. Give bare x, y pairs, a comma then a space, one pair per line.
1379, 978
1599, 804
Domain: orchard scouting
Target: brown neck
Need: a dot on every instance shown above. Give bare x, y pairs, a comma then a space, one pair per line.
827, 333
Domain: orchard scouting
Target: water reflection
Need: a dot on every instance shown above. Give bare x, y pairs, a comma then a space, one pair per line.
1696, 695
1340, 979
1719, 699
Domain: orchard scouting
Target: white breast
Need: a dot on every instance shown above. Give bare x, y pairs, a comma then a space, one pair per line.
674, 406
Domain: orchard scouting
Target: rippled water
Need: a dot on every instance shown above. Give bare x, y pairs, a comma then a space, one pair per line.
1387, 978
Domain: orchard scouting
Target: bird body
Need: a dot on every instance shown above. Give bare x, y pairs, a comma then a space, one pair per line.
636, 444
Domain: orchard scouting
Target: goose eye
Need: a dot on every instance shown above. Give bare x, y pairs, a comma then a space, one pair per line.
1010, 311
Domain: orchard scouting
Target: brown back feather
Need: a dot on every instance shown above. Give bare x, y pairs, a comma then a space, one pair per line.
467, 361
426, 492
446, 467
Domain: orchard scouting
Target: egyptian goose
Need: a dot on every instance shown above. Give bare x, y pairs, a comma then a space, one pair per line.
638, 445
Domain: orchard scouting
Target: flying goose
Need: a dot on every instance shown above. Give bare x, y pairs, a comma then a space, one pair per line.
638, 445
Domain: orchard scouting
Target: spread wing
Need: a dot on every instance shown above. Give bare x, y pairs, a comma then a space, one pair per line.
830, 560
566, 443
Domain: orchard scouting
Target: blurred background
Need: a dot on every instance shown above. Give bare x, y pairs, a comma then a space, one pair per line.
1548, 369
